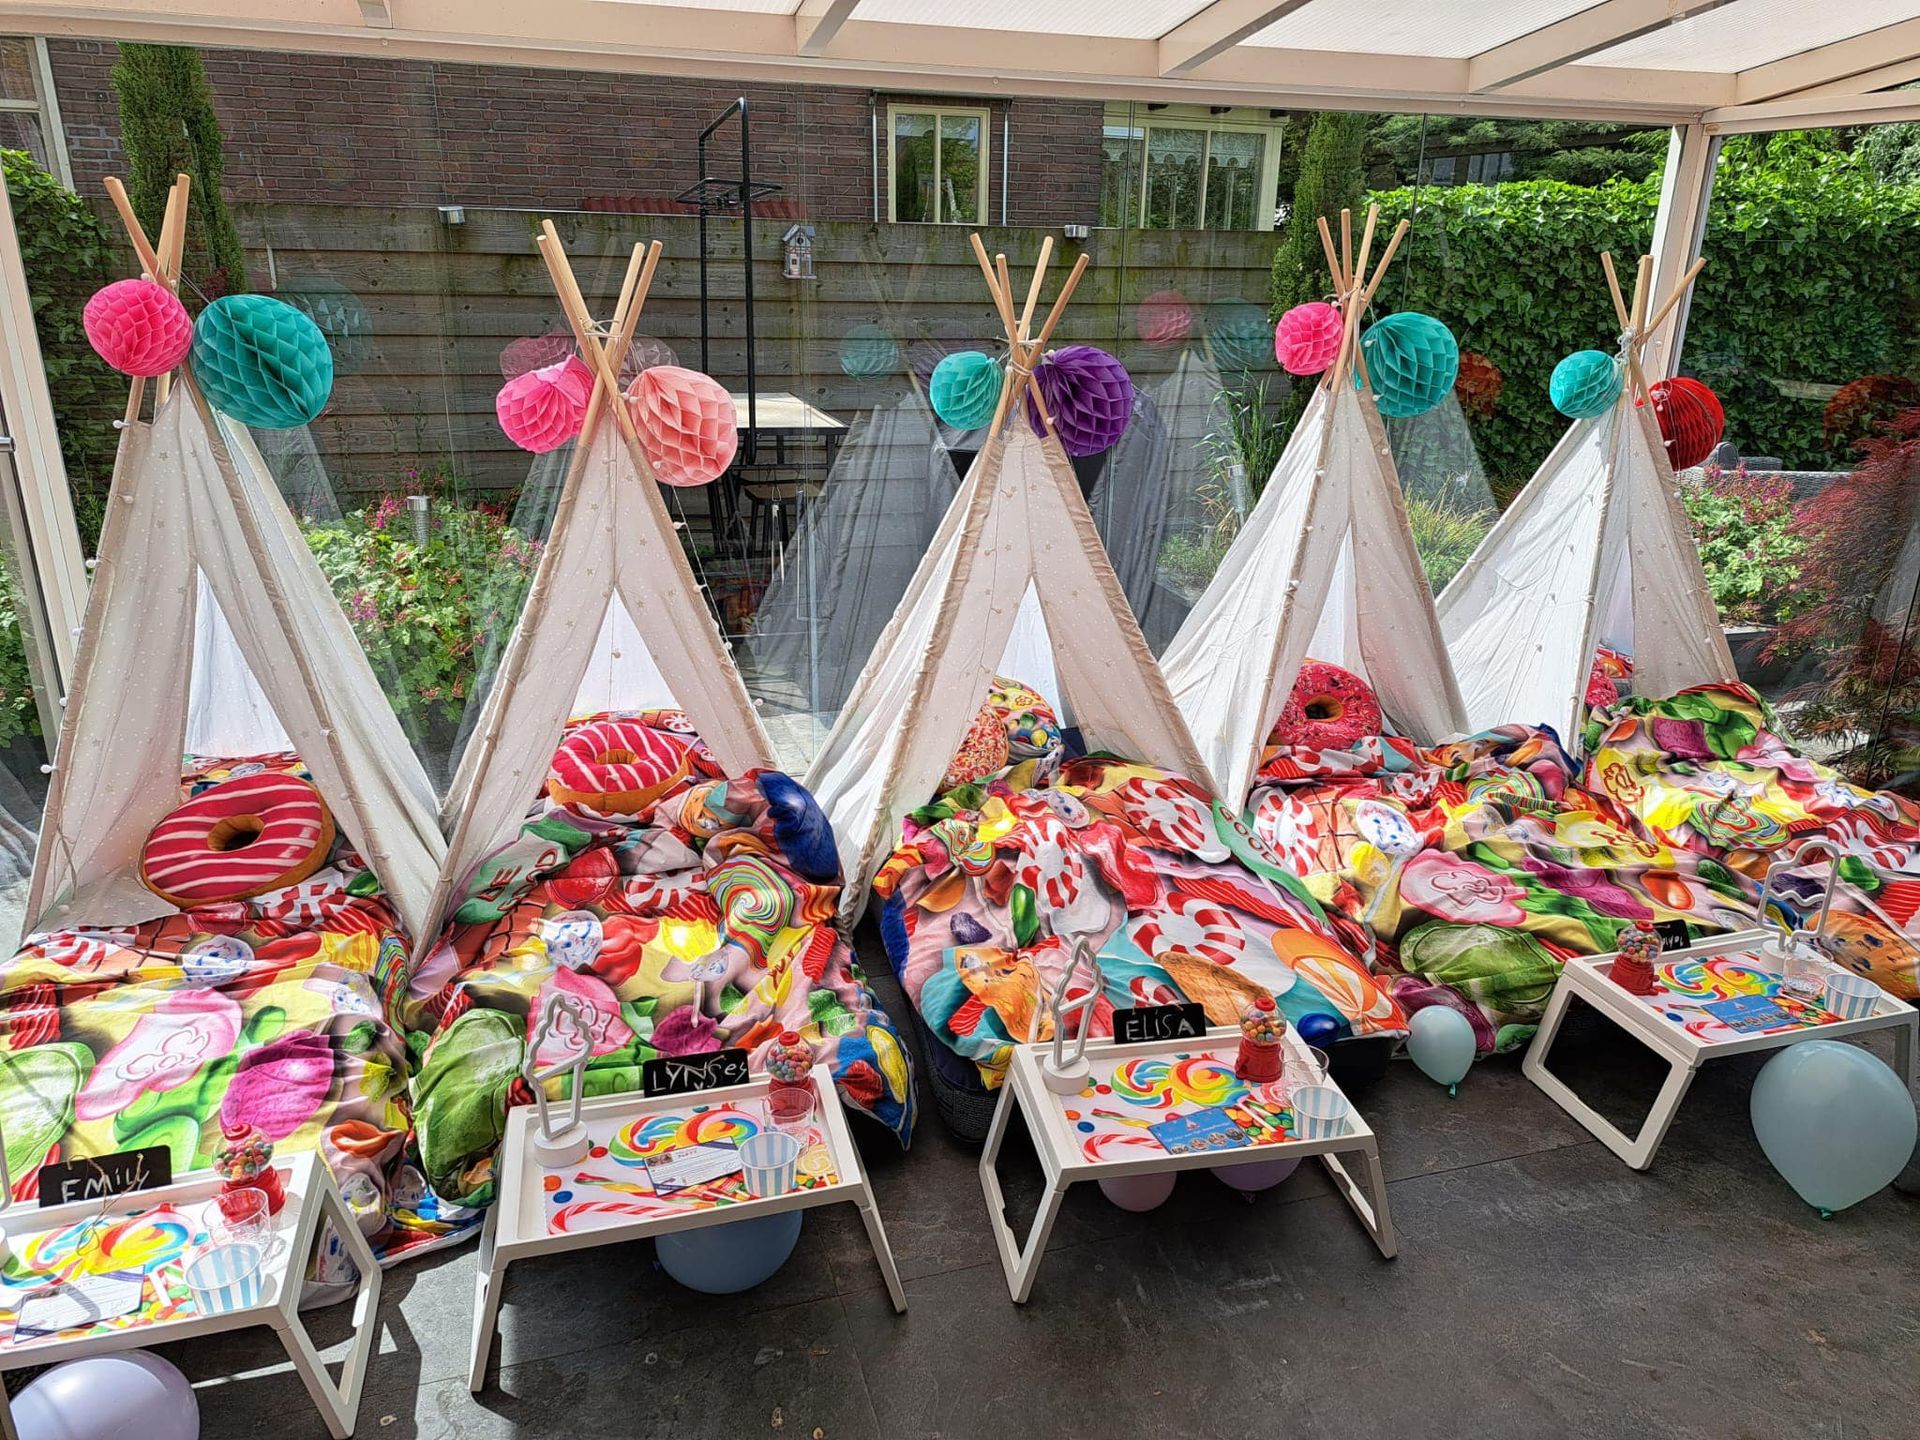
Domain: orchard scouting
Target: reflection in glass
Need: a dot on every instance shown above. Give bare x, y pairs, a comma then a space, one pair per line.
1174, 175
915, 167
960, 169
1233, 179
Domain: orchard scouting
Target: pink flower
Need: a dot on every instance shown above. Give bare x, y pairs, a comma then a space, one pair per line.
1456, 889
279, 1085
166, 1046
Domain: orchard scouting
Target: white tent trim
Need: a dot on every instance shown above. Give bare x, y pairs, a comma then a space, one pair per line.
188, 508
1595, 550
1018, 527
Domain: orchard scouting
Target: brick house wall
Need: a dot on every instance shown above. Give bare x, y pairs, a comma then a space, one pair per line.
314, 129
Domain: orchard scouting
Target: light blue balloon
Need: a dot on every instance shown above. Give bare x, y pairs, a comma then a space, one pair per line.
1441, 1043
726, 1259
1836, 1123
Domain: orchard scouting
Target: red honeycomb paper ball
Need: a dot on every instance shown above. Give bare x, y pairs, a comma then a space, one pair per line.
1163, 319
1307, 338
686, 423
138, 327
1691, 420
543, 409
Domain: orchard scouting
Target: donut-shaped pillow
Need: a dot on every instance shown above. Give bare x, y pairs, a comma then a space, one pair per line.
618, 767
1329, 709
240, 838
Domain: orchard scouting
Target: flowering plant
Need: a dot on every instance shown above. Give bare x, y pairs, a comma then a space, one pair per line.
1749, 544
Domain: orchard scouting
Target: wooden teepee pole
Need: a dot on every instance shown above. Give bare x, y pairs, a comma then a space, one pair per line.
574, 304
159, 264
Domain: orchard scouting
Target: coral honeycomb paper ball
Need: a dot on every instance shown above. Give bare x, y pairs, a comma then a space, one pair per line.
687, 425
138, 327
544, 408
1307, 338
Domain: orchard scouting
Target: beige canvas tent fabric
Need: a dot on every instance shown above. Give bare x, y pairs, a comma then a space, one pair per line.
1325, 567
1018, 520
187, 504
612, 541
1594, 551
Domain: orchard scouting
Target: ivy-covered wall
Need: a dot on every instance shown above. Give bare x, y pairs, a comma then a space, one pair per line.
1810, 282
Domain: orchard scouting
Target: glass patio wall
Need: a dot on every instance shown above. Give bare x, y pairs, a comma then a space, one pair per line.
398, 203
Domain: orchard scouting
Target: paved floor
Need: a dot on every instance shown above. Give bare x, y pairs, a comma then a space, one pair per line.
1542, 1289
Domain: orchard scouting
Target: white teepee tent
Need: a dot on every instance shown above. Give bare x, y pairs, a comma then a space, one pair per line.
1325, 566
1018, 524
1594, 551
189, 506
611, 549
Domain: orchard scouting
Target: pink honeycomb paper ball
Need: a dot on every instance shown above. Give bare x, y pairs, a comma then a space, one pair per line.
138, 327
686, 424
1307, 338
543, 409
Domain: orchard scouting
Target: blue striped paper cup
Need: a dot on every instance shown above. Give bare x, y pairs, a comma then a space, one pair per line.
1850, 996
768, 1161
225, 1278
1320, 1111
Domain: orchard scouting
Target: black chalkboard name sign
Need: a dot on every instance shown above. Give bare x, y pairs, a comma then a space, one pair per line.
1674, 934
686, 1074
99, 1176
1159, 1022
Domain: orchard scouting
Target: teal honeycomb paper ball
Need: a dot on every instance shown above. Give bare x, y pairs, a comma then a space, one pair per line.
262, 361
965, 389
1412, 360
868, 352
1585, 384
1241, 335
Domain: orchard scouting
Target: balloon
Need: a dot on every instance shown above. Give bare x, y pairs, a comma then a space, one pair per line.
107, 1397
726, 1259
1440, 1040
1318, 1028
1836, 1123
1139, 1192
1255, 1174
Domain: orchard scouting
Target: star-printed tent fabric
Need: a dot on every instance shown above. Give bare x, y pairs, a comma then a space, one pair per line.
1018, 523
1595, 551
612, 547
190, 501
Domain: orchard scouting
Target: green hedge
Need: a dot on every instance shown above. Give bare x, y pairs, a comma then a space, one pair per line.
1810, 277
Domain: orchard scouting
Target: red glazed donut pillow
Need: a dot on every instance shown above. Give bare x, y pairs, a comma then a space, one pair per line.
238, 839
1329, 709
618, 767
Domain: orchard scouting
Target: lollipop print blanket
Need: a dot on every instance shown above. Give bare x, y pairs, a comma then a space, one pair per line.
1028, 856
703, 921
265, 1011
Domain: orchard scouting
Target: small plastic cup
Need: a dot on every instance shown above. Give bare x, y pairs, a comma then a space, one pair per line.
1320, 1111
244, 1217
791, 1107
1307, 1069
225, 1278
1850, 996
768, 1162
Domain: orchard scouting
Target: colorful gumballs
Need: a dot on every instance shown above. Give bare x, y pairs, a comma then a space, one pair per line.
1691, 420
1412, 360
687, 425
1089, 395
261, 361
1163, 319
543, 409
138, 327
1307, 338
965, 389
1585, 384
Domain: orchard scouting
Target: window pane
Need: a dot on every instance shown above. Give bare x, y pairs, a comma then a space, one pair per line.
960, 169
913, 162
1119, 175
1233, 179
20, 130
1173, 178
16, 70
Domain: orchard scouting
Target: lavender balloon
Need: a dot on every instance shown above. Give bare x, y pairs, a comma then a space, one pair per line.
1089, 395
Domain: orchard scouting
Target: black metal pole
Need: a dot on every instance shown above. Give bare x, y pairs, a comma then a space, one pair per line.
746, 249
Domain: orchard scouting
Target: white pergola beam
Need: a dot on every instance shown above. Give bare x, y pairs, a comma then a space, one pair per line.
1597, 28
815, 25
1679, 229
1217, 29
1814, 112
1843, 60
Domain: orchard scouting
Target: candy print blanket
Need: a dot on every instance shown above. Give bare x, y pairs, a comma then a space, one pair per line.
1705, 772
265, 1011
1002, 878
1505, 867
706, 921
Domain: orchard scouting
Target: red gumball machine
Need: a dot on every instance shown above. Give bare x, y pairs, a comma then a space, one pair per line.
245, 1162
1262, 1030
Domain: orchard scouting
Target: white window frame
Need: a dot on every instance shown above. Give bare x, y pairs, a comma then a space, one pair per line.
1199, 117
45, 107
939, 112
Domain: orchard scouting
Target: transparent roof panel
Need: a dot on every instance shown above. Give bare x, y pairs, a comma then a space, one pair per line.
1109, 19
1414, 27
1754, 32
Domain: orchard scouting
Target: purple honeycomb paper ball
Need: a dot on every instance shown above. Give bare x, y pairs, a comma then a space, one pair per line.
1089, 395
